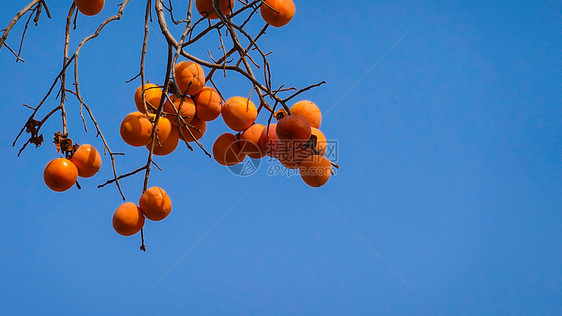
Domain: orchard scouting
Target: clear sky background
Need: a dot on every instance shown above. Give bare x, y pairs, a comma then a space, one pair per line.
448, 200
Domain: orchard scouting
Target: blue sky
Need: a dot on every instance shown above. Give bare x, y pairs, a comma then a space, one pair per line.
448, 200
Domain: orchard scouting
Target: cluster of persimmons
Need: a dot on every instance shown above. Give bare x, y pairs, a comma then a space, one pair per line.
163, 119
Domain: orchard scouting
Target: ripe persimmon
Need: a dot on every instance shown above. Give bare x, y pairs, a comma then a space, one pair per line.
239, 113
249, 141
294, 128
268, 141
309, 111
205, 7
136, 129
315, 170
208, 103
60, 174
227, 150
277, 12
87, 160
197, 125
169, 145
185, 107
128, 219
152, 93
189, 77
89, 7
163, 128
155, 204
291, 154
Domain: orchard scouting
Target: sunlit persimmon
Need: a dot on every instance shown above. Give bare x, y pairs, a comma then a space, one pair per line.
87, 159
168, 146
197, 128
152, 94
294, 128
277, 12
136, 129
205, 7
163, 128
249, 141
239, 113
185, 107
189, 77
155, 204
309, 111
321, 143
227, 150
89, 7
315, 170
208, 103
60, 174
268, 141
128, 219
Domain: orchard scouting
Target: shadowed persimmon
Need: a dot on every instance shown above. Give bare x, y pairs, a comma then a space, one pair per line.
152, 94
249, 141
227, 150
197, 125
315, 170
205, 7
89, 7
185, 107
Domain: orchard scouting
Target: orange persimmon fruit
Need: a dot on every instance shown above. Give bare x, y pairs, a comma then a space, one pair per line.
185, 107
189, 77
60, 174
155, 204
89, 7
315, 170
205, 7
277, 12
152, 94
227, 150
268, 141
239, 113
249, 141
168, 146
87, 160
136, 129
198, 130
309, 111
128, 219
208, 103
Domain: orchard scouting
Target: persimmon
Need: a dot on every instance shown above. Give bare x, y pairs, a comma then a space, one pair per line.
227, 150
136, 129
87, 160
309, 111
189, 77
185, 107
321, 142
89, 7
293, 128
277, 12
152, 94
60, 174
128, 219
155, 204
205, 7
291, 154
197, 125
163, 128
249, 141
208, 103
315, 170
169, 145
268, 141
239, 113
